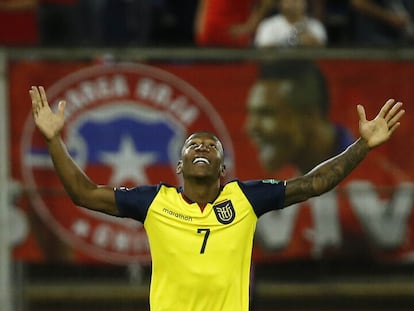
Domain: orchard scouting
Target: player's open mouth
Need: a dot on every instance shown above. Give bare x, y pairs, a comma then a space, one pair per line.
201, 160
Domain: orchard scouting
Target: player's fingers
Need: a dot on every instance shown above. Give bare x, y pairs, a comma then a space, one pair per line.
32, 96
35, 96
393, 111
397, 116
361, 113
385, 109
34, 110
61, 107
43, 97
394, 128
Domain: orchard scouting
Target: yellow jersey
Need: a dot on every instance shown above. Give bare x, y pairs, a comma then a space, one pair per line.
200, 258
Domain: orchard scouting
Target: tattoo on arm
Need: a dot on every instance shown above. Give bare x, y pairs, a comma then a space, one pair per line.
326, 175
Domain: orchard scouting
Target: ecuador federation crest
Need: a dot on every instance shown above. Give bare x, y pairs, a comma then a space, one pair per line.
225, 212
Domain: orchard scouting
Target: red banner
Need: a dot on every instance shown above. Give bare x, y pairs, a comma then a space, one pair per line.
125, 124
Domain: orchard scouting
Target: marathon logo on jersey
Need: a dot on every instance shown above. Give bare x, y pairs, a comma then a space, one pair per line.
124, 126
225, 212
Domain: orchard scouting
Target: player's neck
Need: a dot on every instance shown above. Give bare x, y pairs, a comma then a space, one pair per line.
201, 193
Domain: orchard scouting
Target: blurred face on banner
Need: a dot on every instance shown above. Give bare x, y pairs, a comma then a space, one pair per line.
274, 125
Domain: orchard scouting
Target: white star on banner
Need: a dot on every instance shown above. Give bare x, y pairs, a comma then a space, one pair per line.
128, 164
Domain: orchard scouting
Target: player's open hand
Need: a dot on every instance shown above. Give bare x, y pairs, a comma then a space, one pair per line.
49, 123
379, 130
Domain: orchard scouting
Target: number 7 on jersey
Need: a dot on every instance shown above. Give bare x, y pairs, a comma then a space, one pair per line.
206, 232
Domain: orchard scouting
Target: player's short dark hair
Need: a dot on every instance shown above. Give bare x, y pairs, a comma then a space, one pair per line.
310, 88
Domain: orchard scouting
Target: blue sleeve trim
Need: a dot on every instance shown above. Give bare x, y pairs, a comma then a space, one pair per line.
264, 195
135, 202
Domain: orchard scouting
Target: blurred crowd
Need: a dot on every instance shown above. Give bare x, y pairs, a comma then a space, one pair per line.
206, 23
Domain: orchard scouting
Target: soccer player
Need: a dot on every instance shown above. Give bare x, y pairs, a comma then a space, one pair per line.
201, 233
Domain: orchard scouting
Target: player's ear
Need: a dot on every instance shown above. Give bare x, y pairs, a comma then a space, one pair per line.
179, 168
223, 170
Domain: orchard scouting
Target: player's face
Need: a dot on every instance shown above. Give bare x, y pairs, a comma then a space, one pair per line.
202, 156
273, 125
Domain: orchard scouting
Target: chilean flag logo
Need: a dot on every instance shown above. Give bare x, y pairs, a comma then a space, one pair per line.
124, 126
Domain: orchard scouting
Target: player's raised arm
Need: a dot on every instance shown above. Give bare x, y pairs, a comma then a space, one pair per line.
329, 173
80, 188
